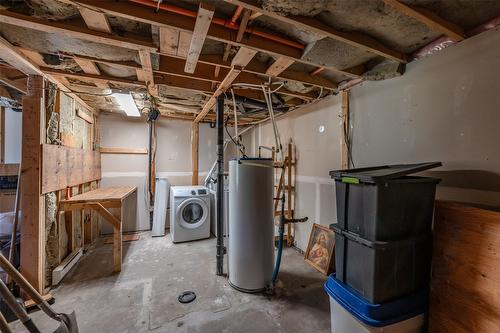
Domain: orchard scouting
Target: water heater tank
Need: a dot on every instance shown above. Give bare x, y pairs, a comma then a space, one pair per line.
251, 224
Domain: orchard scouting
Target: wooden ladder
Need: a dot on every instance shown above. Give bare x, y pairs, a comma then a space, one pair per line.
286, 186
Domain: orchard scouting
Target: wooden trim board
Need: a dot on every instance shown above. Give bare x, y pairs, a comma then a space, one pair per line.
119, 150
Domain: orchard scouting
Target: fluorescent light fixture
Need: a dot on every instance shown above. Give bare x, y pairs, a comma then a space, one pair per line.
127, 103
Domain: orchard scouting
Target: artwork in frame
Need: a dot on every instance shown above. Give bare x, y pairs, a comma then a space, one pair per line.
320, 251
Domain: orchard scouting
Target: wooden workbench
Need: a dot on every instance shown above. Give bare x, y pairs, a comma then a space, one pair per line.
101, 200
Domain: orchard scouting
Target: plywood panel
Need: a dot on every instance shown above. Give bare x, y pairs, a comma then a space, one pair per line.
63, 167
465, 294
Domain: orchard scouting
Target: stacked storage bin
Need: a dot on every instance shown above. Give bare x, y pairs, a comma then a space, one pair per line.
383, 241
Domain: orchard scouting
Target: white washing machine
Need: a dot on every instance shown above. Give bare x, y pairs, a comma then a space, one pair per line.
189, 213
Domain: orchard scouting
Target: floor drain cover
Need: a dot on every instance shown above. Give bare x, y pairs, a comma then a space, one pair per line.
187, 297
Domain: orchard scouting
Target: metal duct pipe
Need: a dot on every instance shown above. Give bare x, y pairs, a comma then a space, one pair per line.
220, 184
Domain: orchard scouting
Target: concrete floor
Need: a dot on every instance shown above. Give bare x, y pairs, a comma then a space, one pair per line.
143, 297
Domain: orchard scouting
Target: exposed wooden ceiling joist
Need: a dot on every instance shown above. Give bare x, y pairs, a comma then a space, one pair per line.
76, 31
139, 44
361, 41
216, 32
278, 66
430, 19
205, 14
240, 60
16, 85
92, 77
10, 55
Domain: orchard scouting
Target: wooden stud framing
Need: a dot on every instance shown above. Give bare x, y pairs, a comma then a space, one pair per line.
203, 20
2, 135
429, 19
195, 140
33, 203
345, 129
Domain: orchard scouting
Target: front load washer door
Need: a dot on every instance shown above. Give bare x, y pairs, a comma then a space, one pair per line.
192, 213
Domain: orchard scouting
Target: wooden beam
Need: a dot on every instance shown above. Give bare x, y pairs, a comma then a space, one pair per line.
82, 114
279, 66
184, 43
2, 137
203, 20
87, 66
104, 78
146, 73
142, 13
169, 39
243, 57
95, 20
195, 140
13, 84
430, 19
33, 203
240, 60
75, 31
119, 150
10, 55
21, 60
312, 24
345, 129
243, 25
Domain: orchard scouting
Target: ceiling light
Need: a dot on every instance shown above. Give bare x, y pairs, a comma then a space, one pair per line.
127, 103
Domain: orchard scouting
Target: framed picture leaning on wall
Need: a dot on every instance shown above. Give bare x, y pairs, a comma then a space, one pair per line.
320, 252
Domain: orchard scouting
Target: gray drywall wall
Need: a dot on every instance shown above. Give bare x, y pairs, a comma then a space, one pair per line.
13, 136
445, 108
317, 153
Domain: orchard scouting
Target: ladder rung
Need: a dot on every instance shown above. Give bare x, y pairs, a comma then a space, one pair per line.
278, 213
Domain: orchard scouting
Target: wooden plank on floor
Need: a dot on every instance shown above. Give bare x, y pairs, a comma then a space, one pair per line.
125, 238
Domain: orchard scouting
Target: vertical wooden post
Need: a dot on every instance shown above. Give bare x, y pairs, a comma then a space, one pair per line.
345, 129
2, 134
289, 195
117, 240
195, 142
32, 202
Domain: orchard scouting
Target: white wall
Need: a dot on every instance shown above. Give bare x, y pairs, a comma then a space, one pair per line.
13, 136
444, 108
173, 157
317, 153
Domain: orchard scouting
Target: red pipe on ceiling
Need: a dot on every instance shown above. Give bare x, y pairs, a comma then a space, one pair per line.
225, 23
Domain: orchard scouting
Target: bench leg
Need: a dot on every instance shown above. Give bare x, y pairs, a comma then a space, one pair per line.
117, 243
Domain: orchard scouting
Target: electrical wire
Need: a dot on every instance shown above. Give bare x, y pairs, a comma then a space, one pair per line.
236, 143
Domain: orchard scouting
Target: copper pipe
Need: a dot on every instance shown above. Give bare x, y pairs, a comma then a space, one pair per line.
236, 14
222, 22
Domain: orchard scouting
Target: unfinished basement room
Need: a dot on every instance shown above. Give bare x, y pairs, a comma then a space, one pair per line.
241, 166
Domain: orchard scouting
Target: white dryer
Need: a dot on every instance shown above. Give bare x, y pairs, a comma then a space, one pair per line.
189, 213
